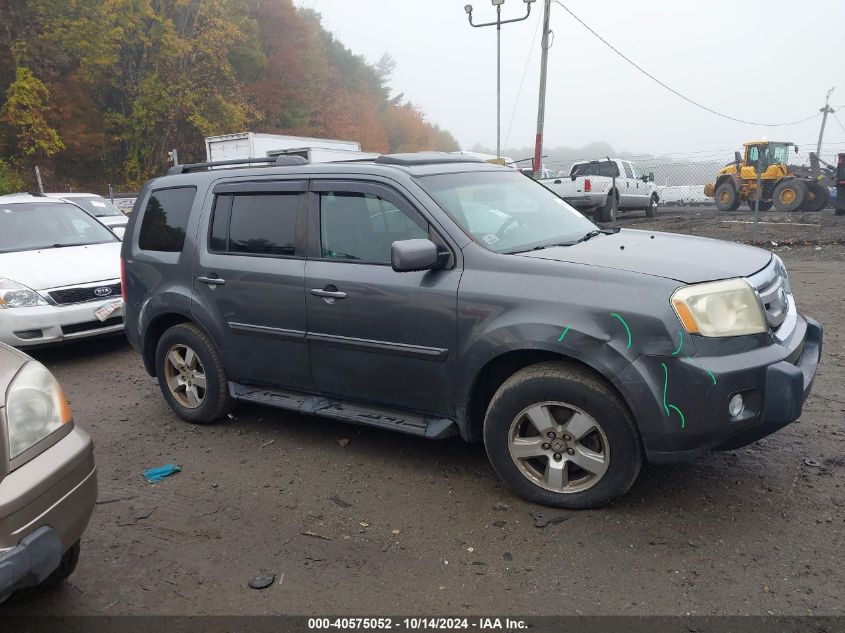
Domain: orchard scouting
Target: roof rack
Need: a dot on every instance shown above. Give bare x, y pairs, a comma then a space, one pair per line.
425, 158
274, 161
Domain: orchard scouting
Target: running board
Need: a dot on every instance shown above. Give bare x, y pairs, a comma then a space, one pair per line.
395, 420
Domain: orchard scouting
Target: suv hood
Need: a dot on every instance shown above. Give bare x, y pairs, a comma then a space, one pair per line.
57, 267
680, 257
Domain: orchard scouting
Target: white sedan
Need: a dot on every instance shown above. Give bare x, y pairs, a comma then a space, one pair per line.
99, 207
59, 273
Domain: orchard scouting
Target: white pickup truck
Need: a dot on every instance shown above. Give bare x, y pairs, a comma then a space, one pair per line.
603, 187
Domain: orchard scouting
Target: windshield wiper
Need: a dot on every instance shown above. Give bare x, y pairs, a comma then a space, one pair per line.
584, 238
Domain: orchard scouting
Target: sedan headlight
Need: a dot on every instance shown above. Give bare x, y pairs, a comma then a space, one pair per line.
15, 295
719, 308
35, 407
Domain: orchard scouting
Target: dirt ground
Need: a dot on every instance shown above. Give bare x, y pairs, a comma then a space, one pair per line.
357, 521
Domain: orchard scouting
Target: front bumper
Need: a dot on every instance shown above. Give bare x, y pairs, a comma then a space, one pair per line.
45, 506
42, 325
681, 404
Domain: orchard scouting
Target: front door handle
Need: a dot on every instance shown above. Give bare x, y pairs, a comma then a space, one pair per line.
328, 294
211, 281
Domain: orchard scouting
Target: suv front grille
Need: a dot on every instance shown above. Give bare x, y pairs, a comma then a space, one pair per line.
81, 295
772, 286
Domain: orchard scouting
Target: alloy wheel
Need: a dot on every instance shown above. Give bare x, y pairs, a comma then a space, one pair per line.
185, 376
559, 447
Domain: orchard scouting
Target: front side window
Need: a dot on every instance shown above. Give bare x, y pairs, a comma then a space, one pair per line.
504, 211
35, 225
255, 224
627, 167
362, 227
166, 220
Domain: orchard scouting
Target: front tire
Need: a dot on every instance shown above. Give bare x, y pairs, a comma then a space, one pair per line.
191, 374
560, 437
817, 198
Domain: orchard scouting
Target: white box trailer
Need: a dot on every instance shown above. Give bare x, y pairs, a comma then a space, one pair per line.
254, 145
324, 154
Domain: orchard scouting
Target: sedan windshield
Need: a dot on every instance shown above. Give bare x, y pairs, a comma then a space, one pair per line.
96, 206
505, 211
34, 225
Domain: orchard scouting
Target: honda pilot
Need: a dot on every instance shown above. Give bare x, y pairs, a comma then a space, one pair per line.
437, 295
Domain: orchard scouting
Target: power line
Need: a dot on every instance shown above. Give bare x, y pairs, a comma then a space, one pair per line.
838, 121
669, 88
524, 74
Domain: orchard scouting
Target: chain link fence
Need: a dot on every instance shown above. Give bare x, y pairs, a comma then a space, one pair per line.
681, 181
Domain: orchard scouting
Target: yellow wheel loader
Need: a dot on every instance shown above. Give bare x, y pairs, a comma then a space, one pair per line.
787, 188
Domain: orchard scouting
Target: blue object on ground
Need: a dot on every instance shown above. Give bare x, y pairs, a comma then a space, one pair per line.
155, 475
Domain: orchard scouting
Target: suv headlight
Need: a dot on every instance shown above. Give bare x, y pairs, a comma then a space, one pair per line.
15, 295
719, 308
35, 407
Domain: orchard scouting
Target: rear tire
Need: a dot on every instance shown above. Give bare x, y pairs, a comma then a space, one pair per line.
727, 197
651, 209
789, 195
191, 375
817, 198
66, 567
610, 211
591, 426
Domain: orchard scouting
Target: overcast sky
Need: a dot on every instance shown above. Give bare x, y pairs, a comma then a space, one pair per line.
769, 62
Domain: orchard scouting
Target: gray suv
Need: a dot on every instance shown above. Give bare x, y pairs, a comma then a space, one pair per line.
435, 295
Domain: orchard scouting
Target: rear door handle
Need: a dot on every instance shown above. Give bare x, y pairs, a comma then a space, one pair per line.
328, 294
211, 281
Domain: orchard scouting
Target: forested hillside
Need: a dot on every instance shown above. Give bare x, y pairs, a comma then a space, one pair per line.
98, 91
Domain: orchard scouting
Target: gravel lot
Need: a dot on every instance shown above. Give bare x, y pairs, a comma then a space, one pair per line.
361, 521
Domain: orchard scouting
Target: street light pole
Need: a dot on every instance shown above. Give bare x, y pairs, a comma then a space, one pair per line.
498, 24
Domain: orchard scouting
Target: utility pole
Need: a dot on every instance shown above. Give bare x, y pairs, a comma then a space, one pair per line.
541, 109
825, 110
498, 24
38, 179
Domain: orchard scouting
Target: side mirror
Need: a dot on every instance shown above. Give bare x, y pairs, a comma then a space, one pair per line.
573, 176
412, 255
796, 148
651, 176
737, 158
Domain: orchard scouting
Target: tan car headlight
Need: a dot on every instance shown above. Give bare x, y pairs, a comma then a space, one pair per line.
720, 308
35, 407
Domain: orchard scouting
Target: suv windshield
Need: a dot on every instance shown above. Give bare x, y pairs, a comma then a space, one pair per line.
96, 206
505, 211
32, 225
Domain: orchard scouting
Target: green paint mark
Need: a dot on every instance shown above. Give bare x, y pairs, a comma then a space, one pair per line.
666, 406
564, 333
680, 344
711, 375
683, 420
627, 329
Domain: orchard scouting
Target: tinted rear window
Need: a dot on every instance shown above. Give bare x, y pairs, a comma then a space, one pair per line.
594, 169
166, 219
257, 224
